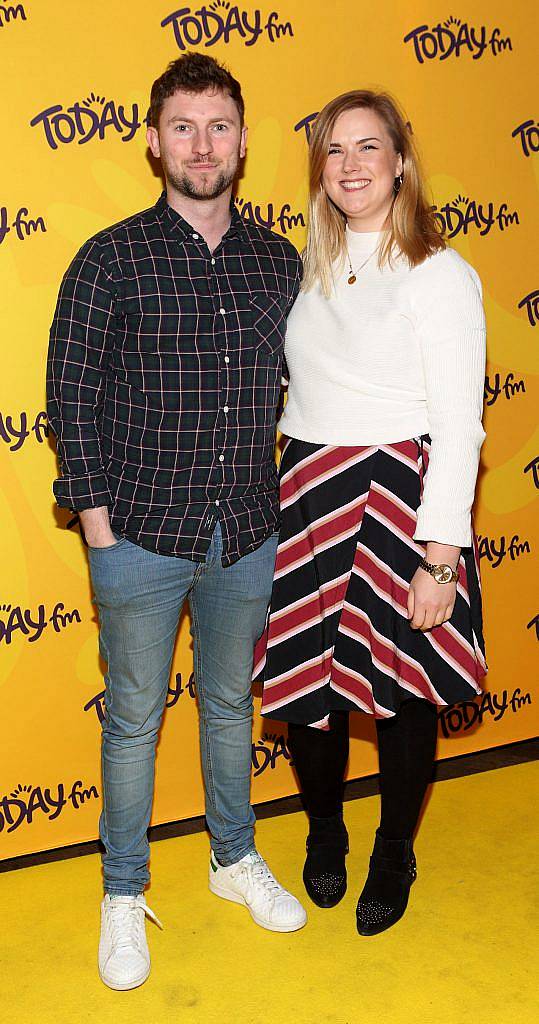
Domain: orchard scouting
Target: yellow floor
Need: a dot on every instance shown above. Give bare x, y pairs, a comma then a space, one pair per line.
465, 952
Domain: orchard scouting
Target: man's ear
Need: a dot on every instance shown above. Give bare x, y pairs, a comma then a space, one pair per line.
152, 138
243, 143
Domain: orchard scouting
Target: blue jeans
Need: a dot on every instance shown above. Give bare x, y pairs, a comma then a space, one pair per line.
140, 596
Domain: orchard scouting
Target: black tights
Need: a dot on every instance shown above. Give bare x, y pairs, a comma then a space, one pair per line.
406, 749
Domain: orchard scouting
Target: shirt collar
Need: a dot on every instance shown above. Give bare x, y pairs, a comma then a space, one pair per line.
179, 227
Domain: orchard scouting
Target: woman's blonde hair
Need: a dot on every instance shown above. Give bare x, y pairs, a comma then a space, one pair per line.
411, 227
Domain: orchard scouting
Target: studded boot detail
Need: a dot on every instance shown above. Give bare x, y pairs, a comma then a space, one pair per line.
324, 873
384, 898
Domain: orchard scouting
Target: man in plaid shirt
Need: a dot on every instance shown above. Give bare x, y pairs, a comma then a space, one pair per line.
163, 381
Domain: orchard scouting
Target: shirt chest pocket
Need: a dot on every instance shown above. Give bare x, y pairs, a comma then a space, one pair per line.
268, 313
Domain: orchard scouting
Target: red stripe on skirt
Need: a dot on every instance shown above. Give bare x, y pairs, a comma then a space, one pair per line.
382, 578
332, 530
387, 654
383, 504
353, 685
443, 638
328, 460
310, 676
320, 602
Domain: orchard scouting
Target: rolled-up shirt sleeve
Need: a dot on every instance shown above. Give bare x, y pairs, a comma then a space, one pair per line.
80, 349
452, 334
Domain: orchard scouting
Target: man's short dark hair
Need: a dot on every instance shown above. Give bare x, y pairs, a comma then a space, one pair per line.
193, 72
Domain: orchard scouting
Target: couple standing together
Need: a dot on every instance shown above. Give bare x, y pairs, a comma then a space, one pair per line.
165, 369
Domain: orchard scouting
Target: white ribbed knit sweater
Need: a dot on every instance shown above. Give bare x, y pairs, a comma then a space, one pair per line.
397, 354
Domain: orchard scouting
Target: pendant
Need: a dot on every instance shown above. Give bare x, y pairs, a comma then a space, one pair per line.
352, 279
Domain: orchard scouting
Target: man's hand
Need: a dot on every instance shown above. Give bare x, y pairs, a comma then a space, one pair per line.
96, 527
431, 603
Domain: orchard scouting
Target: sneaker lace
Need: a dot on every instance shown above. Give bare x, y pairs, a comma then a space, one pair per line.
126, 915
262, 874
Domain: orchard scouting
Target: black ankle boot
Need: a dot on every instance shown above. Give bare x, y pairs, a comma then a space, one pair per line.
324, 873
385, 894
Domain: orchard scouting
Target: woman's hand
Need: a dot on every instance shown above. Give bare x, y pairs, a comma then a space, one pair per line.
431, 603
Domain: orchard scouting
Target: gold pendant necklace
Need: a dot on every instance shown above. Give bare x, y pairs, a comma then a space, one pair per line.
353, 273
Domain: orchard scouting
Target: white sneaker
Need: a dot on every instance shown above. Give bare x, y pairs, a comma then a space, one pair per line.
251, 882
124, 957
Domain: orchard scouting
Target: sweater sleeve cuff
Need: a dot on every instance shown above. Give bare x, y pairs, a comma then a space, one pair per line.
443, 527
82, 492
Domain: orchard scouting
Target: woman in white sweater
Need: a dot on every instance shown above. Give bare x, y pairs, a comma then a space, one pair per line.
376, 605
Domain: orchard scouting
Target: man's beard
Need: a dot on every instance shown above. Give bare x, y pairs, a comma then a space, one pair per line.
206, 190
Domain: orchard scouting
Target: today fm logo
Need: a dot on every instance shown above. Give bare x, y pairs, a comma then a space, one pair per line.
10, 13
528, 135
496, 549
462, 214
21, 806
16, 429
496, 386
31, 623
530, 303
22, 225
469, 713
219, 21
268, 215
533, 469
453, 38
94, 116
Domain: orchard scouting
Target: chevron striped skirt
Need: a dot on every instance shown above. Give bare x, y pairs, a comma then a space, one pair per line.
338, 635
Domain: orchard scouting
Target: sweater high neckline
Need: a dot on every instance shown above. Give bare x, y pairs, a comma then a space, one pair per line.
362, 241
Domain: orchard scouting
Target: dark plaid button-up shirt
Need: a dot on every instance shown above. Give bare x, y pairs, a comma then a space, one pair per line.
163, 381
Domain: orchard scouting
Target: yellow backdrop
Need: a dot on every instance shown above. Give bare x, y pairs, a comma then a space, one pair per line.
76, 80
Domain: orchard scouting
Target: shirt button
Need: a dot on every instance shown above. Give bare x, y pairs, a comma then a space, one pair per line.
221, 458
217, 503
223, 311
196, 236
227, 359
213, 261
225, 408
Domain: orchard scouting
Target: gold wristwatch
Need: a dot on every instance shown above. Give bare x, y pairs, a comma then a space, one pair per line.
442, 573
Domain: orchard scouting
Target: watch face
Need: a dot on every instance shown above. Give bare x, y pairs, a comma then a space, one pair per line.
443, 573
